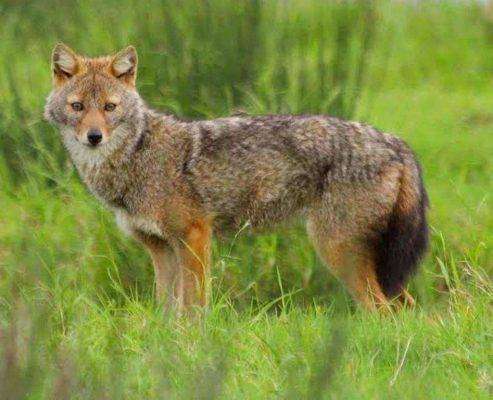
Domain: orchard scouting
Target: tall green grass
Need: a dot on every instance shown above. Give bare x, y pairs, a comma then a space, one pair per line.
77, 315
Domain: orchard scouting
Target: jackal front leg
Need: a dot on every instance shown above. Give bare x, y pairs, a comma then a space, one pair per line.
194, 255
167, 273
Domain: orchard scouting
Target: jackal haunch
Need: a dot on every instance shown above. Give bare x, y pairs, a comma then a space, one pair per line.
172, 183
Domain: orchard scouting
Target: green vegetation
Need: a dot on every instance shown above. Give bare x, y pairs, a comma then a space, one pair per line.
77, 315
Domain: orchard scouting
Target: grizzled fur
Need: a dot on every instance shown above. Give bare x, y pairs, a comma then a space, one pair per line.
359, 189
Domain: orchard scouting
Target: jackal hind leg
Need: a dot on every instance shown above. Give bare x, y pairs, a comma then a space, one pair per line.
352, 263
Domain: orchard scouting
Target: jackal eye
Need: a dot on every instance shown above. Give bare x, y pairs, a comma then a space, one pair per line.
109, 106
77, 106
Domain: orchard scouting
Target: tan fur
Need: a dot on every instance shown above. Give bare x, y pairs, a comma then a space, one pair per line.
408, 198
195, 255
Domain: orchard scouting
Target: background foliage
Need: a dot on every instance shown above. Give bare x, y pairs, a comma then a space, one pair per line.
77, 316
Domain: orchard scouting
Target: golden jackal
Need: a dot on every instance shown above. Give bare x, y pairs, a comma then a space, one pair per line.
172, 183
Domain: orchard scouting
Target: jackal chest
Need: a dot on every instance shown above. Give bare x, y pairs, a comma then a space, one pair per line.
130, 223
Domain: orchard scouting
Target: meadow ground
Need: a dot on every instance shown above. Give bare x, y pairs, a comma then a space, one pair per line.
77, 315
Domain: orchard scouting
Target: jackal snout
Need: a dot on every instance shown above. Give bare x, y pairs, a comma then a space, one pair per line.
93, 129
94, 137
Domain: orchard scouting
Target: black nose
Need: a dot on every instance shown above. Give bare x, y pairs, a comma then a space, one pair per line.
94, 137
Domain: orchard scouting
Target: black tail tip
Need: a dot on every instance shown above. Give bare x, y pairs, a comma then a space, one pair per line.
401, 247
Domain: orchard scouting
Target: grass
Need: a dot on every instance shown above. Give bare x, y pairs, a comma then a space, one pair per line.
77, 315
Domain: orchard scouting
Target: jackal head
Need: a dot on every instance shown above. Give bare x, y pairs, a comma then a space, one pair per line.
94, 101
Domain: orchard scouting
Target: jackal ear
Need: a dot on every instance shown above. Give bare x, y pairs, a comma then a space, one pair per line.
65, 63
124, 65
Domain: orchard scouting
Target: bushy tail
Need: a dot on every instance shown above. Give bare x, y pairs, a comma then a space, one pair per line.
402, 245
